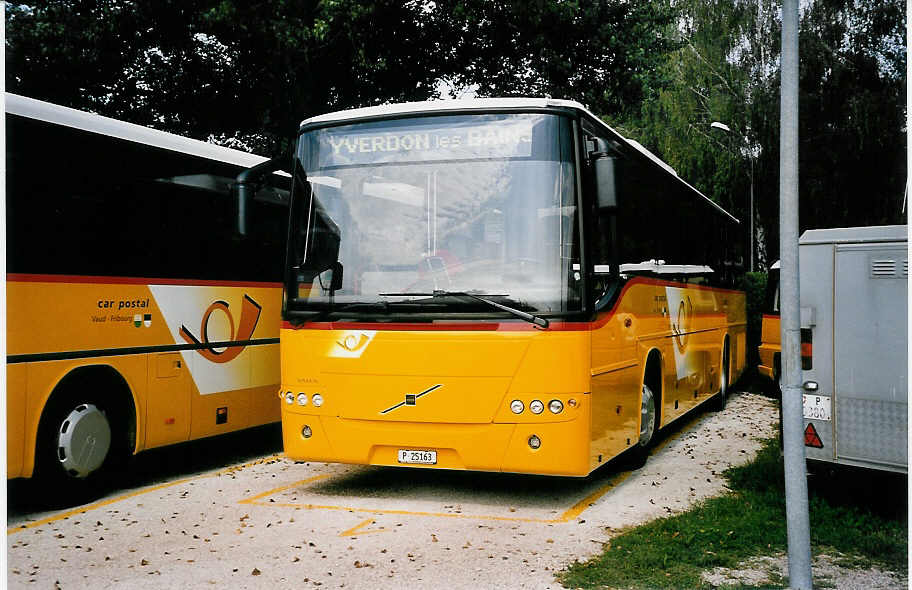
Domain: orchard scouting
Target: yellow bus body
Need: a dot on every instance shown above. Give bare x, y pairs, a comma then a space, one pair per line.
364, 371
770, 346
59, 325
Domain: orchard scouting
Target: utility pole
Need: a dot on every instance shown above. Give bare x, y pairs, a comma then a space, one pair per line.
796, 498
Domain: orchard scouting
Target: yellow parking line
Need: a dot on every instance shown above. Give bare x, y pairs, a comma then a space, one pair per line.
568, 515
127, 496
592, 498
254, 499
356, 530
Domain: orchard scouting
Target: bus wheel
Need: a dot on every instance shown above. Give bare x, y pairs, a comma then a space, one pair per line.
647, 417
722, 396
640, 451
75, 447
83, 440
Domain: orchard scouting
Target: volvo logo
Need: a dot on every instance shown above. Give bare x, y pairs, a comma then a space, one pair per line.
411, 399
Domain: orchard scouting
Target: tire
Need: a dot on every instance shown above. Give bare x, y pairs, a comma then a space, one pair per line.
77, 446
648, 427
722, 396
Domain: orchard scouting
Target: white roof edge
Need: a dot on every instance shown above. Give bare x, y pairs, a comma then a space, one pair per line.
642, 149
437, 106
481, 104
859, 235
24, 106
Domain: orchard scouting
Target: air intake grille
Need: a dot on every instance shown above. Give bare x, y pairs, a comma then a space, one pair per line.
888, 268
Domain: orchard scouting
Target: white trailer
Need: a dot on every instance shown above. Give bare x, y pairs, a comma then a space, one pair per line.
854, 308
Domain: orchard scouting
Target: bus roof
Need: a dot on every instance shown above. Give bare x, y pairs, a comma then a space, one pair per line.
59, 115
441, 107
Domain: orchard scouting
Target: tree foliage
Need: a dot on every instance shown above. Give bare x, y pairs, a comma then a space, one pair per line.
604, 54
246, 73
253, 70
851, 105
219, 67
853, 97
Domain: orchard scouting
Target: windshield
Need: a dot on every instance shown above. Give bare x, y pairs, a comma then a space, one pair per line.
480, 204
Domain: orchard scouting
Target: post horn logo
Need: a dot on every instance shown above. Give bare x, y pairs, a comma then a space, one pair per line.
683, 324
250, 315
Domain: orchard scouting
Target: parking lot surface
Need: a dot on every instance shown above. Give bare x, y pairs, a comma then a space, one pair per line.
265, 521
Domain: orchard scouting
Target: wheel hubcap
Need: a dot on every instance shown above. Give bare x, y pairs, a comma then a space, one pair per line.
647, 416
83, 440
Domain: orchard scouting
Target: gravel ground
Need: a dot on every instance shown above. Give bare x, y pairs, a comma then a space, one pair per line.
826, 571
272, 522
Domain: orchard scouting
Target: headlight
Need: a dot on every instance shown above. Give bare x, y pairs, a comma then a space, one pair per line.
317, 400
534, 442
536, 406
302, 399
517, 406
556, 406
289, 397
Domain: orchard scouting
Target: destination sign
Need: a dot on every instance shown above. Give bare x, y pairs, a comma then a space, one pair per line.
508, 138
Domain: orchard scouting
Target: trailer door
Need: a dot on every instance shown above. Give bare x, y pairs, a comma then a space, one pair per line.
870, 362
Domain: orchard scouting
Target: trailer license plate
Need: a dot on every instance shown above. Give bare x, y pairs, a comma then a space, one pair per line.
419, 457
817, 407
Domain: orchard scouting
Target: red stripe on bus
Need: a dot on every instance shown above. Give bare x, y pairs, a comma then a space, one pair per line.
479, 326
98, 280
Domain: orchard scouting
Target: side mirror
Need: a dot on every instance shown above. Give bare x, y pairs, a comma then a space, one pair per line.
605, 185
336, 282
332, 275
245, 187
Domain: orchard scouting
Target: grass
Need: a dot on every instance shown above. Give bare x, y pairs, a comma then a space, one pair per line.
863, 517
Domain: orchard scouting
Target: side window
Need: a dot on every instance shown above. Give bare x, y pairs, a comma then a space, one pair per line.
112, 208
604, 233
646, 214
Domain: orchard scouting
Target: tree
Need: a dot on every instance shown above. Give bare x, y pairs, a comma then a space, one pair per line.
247, 73
603, 54
852, 151
250, 71
853, 101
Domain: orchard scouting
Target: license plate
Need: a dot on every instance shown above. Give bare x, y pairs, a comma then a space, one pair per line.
817, 407
419, 457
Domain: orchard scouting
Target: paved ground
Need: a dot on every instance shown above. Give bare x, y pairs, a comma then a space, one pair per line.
264, 522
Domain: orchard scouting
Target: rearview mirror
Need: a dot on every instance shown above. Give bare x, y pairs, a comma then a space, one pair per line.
605, 186
332, 276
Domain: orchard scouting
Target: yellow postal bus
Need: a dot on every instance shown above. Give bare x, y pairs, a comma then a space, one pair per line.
135, 316
499, 285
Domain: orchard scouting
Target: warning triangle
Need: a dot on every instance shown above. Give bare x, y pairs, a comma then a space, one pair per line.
811, 438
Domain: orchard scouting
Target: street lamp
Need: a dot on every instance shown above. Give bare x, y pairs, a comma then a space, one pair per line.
750, 207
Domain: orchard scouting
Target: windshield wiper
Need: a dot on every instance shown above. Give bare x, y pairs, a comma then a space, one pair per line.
319, 314
533, 319
385, 305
